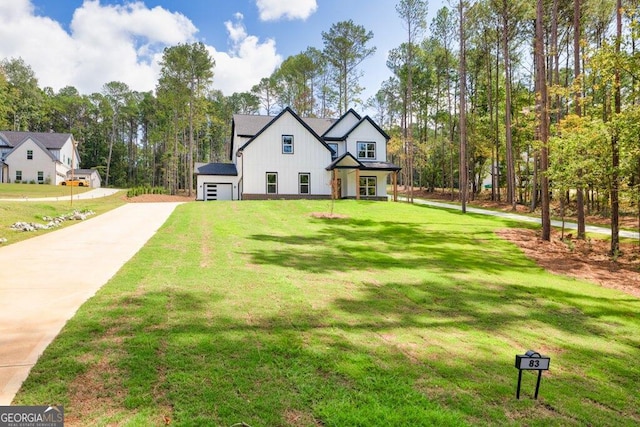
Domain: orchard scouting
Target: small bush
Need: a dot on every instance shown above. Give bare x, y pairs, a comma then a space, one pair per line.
139, 191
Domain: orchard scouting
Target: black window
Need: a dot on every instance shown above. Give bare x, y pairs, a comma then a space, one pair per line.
287, 144
366, 150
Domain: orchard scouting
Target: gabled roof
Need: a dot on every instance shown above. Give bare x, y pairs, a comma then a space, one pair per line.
351, 111
367, 119
276, 118
35, 141
50, 140
248, 125
217, 169
346, 161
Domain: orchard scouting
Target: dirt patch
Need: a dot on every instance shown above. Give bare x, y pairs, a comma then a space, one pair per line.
159, 198
328, 215
584, 259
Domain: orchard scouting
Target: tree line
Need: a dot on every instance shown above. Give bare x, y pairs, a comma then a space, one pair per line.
542, 97
154, 138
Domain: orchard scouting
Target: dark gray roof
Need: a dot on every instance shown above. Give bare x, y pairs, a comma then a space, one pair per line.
386, 166
249, 125
217, 169
50, 140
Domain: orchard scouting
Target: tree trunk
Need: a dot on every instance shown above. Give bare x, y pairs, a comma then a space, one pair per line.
543, 119
463, 112
511, 179
578, 110
615, 149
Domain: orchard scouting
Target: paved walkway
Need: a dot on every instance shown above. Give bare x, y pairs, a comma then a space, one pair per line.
524, 218
44, 280
92, 194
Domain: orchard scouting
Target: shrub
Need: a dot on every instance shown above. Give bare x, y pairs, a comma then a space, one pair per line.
138, 191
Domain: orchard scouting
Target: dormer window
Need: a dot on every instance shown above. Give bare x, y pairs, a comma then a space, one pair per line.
287, 144
367, 150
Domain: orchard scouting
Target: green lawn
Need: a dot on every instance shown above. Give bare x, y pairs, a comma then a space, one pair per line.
398, 315
21, 191
32, 211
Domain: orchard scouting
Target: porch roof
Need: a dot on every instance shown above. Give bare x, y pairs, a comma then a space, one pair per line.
347, 161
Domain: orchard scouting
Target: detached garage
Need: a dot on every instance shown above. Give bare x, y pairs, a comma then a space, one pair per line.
216, 181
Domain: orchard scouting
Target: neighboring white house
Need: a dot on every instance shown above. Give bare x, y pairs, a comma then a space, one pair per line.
286, 156
41, 157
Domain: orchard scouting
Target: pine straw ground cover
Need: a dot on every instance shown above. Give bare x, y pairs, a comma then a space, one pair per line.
261, 313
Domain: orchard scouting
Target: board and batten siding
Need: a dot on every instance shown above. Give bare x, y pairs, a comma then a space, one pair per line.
347, 122
41, 161
366, 132
265, 154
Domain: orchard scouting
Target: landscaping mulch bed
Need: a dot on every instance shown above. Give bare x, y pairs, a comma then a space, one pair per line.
584, 259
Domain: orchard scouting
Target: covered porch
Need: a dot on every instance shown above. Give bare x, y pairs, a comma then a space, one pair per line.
355, 179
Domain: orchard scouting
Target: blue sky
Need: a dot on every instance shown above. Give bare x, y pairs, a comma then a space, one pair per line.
87, 43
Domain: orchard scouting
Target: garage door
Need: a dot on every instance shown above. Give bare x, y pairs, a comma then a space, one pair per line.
217, 191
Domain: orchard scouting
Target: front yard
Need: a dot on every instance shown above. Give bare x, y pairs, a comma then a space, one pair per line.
260, 312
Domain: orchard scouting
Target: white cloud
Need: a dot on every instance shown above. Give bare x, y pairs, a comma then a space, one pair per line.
123, 43
247, 61
272, 10
106, 43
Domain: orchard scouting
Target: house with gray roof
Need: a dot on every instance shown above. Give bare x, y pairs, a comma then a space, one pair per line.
287, 157
41, 157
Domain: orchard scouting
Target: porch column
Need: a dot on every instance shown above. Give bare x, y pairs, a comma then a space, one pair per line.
395, 186
334, 184
357, 184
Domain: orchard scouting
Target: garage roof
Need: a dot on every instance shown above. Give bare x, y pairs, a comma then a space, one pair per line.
228, 169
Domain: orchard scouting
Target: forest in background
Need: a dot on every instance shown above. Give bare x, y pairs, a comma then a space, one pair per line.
542, 97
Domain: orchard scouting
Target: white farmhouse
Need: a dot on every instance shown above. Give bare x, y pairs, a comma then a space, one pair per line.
41, 157
287, 157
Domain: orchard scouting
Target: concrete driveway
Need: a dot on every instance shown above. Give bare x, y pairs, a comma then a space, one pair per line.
44, 280
92, 194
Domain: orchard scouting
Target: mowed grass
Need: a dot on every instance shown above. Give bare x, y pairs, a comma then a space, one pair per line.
259, 313
30, 191
35, 211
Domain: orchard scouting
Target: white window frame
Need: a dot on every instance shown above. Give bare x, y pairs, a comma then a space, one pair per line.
367, 149
29, 154
304, 184
287, 144
40, 177
272, 184
19, 176
370, 187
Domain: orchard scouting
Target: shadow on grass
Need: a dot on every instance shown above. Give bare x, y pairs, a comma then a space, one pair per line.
352, 244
